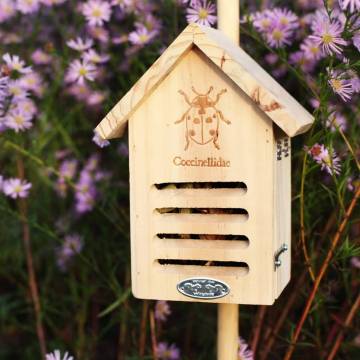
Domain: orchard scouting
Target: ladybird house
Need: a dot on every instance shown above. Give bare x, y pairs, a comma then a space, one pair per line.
209, 142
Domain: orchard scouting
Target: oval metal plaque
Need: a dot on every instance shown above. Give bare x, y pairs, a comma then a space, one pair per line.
203, 288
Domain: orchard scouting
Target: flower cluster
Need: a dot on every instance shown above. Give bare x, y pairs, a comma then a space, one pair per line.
277, 26
71, 246
328, 159
201, 12
162, 310
164, 351
56, 355
17, 110
14, 188
84, 183
244, 353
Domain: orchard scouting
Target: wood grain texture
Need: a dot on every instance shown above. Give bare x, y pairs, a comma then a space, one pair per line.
244, 142
250, 77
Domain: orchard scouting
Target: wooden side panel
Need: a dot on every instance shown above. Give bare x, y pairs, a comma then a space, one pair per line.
282, 207
199, 127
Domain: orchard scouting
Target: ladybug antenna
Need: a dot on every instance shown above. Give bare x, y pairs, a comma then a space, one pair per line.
185, 96
193, 89
210, 90
219, 94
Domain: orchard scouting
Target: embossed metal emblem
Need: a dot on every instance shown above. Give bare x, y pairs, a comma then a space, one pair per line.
203, 288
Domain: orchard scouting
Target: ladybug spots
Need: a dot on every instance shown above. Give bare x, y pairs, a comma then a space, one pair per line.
192, 132
196, 121
212, 132
209, 120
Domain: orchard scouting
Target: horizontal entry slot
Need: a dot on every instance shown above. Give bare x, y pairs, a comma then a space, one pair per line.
205, 211
204, 237
203, 263
202, 185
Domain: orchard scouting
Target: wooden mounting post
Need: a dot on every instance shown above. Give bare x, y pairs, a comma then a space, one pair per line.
228, 314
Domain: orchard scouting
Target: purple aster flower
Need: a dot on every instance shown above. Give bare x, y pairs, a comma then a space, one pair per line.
328, 160
52, 2
355, 262
18, 120
336, 120
142, 35
80, 44
14, 63
85, 192
262, 21
123, 150
56, 355
16, 90
71, 246
33, 82
122, 4
40, 57
300, 59
284, 18
79, 71
7, 9
27, 6
341, 85
356, 40
96, 12
244, 352
27, 106
99, 33
166, 352
162, 310
16, 188
99, 141
94, 57
279, 36
68, 169
311, 50
95, 98
328, 36
351, 5
201, 12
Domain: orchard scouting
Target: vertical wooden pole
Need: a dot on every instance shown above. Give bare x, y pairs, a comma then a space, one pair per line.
228, 314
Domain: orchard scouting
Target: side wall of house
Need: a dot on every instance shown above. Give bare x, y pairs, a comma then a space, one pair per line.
194, 145
282, 208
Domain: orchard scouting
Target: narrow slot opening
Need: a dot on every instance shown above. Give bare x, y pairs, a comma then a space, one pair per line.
237, 264
202, 185
204, 237
206, 211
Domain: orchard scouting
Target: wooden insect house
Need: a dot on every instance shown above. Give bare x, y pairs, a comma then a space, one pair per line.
210, 193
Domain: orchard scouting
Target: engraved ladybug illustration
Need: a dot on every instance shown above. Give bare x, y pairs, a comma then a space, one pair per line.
202, 118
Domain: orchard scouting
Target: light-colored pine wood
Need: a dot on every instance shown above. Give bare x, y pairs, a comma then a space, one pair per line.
228, 323
228, 13
282, 209
251, 78
155, 139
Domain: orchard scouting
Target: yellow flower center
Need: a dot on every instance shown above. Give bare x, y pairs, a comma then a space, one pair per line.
19, 119
203, 14
96, 13
143, 38
17, 189
336, 84
284, 21
277, 34
82, 71
314, 50
265, 23
327, 38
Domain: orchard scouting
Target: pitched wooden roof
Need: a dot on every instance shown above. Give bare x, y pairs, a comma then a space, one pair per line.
270, 96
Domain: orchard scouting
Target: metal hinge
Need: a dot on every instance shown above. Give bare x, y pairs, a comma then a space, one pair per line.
282, 148
277, 261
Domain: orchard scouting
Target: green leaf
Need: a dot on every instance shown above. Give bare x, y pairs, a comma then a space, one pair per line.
117, 303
